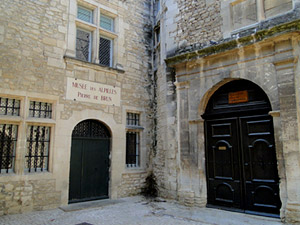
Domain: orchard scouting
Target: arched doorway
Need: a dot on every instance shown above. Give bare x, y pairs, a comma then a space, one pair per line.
89, 167
241, 164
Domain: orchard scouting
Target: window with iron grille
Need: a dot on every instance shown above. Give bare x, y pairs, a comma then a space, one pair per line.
106, 22
40, 109
105, 51
83, 45
133, 140
10, 107
8, 141
133, 119
37, 154
85, 14
132, 149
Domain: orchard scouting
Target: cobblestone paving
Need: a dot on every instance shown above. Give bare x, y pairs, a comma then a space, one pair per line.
134, 211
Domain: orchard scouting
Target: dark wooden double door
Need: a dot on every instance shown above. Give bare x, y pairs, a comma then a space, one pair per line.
241, 165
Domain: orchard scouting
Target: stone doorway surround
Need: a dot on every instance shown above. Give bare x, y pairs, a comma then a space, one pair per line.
273, 65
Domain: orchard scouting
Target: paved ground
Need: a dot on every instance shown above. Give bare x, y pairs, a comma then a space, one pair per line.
134, 211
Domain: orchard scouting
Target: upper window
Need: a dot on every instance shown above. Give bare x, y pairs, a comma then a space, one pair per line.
238, 14
105, 51
85, 14
273, 8
83, 45
10, 107
95, 38
106, 23
40, 109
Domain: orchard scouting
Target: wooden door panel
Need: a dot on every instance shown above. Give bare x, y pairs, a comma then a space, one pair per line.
260, 164
95, 169
75, 170
89, 169
222, 162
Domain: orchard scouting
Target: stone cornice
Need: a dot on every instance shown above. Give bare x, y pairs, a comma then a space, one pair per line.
293, 26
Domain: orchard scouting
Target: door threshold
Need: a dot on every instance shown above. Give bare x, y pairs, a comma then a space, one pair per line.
89, 204
276, 216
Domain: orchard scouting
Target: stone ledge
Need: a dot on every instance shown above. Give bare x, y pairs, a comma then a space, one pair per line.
92, 65
235, 43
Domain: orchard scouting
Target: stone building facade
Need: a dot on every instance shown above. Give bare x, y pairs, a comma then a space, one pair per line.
41, 64
216, 56
190, 90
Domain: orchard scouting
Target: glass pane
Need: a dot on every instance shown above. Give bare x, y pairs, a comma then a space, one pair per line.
8, 139
83, 40
9, 107
105, 51
106, 23
38, 140
85, 14
40, 109
133, 119
132, 149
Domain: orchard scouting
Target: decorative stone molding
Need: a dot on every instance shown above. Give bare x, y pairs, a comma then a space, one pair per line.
274, 113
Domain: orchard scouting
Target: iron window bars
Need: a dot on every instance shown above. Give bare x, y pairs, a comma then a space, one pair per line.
38, 142
132, 149
105, 51
40, 109
84, 37
8, 141
90, 129
133, 119
9, 107
133, 140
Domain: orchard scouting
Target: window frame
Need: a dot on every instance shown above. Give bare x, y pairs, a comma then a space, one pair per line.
40, 110
87, 9
47, 164
137, 148
90, 43
226, 13
15, 143
136, 128
112, 22
22, 121
110, 52
96, 31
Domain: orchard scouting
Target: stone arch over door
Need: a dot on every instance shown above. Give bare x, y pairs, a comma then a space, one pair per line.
241, 163
89, 164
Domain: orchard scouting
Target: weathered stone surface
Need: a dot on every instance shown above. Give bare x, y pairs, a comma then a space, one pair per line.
35, 63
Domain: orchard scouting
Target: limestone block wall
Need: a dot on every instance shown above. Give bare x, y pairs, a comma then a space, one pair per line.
198, 22
164, 159
271, 64
25, 196
132, 184
36, 59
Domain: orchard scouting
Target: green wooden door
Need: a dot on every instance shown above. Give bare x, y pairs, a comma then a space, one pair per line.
89, 168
